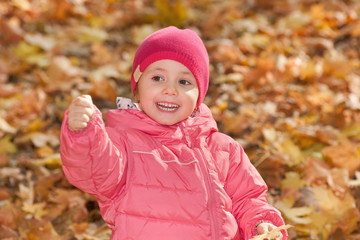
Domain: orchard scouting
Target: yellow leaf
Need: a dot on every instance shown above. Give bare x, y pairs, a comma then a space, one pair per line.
340, 213
96, 22
272, 234
139, 33
292, 181
37, 209
170, 12
31, 54
34, 125
328, 201
308, 71
52, 161
293, 151
6, 146
352, 131
298, 215
22, 4
297, 20
91, 35
24, 50
44, 151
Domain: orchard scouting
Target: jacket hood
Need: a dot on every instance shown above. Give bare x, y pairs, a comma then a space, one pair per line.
200, 125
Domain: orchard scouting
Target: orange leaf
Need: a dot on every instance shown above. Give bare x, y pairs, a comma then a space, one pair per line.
345, 155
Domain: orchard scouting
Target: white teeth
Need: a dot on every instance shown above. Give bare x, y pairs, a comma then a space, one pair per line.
167, 106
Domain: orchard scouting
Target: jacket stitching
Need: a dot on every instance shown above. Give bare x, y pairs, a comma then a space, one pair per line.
168, 161
166, 188
153, 218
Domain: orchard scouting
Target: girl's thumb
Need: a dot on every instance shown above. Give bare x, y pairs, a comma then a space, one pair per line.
88, 97
90, 102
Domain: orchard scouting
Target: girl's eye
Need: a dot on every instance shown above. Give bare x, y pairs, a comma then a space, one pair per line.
157, 78
184, 82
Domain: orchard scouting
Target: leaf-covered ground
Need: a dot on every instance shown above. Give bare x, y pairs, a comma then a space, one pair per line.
285, 82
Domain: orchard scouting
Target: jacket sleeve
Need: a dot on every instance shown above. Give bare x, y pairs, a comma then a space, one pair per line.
248, 192
91, 161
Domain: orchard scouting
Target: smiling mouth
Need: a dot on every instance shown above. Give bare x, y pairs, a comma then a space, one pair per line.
169, 107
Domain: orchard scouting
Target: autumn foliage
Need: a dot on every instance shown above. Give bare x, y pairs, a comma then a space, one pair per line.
285, 83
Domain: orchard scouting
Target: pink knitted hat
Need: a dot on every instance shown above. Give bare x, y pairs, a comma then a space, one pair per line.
183, 46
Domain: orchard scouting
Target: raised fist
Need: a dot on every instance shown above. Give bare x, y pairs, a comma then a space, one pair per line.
80, 112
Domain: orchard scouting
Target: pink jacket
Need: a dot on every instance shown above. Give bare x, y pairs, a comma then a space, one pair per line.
185, 181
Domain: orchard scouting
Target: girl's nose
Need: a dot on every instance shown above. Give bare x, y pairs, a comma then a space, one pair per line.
170, 89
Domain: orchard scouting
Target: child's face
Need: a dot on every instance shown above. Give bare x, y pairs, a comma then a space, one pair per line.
167, 92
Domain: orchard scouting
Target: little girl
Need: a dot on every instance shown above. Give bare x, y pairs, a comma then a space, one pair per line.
159, 168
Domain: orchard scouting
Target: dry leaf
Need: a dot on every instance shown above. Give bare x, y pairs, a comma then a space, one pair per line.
345, 155
5, 126
37, 209
7, 146
101, 55
292, 181
297, 215
61, 71
272, 234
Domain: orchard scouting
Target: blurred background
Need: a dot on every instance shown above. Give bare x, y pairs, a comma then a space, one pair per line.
285, 83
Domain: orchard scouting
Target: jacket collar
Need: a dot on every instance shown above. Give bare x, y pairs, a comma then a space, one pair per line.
202, 124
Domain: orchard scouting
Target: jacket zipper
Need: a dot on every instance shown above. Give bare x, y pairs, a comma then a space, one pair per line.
210, 190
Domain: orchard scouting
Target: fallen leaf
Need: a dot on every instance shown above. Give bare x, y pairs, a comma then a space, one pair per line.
293, 151
272, 234
7, 146
4, 71
339, 212
101, 55
297, 215
7, 233
11, 31
37, 209
46, 231
90, 35
53, 161
22, 4
61, 71
44, 42
345, 155
292, 181
6, 127
8, 217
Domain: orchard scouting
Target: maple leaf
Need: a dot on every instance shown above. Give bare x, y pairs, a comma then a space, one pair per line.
38, 209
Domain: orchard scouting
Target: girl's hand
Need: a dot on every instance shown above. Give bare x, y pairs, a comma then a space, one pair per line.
81, 111
267, 227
